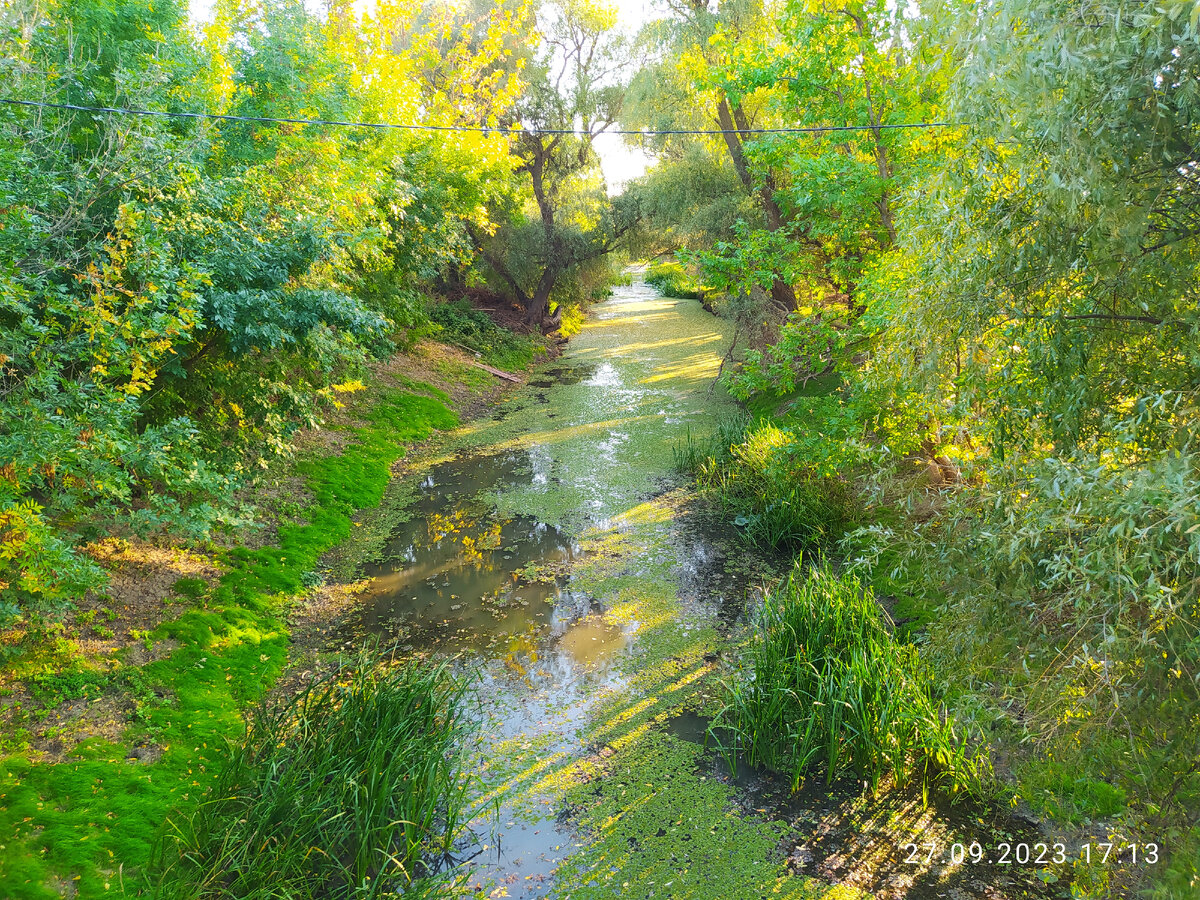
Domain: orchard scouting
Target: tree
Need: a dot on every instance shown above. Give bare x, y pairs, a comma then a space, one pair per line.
573, 93
685, 89
178, 296
1050, 270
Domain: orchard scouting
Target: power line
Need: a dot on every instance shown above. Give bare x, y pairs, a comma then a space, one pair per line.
477, 129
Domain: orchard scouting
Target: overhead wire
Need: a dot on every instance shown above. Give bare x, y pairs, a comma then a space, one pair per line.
476, 129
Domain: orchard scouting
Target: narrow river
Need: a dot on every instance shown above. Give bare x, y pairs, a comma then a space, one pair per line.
553, 554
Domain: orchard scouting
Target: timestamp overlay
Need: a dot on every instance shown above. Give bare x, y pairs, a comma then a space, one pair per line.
1021, 853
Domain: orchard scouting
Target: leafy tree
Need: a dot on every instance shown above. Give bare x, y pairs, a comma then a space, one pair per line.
1048, 278
88, 313
686, 89
177, 296
573, 93
1041, 303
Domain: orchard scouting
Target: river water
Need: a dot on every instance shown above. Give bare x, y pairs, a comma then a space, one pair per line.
552, 554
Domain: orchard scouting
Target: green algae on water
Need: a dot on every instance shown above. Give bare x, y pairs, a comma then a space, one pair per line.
605, 440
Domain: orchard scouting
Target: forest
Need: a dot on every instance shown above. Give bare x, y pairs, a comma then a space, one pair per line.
255, 259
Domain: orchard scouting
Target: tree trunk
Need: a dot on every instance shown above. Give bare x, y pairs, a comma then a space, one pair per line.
882, 163
783, 294
539, 303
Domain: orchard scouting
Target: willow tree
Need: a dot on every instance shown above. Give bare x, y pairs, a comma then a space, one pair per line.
1044, 300
573, 94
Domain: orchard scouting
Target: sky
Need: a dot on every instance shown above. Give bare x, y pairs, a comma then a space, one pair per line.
619, 162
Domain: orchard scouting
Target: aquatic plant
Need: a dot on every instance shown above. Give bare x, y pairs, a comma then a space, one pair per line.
351, 789
714, 447
827, 683
674, 281
786, 488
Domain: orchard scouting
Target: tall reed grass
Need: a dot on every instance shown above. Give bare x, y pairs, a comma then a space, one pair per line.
829, 685
714, 448
352, 789
774, 483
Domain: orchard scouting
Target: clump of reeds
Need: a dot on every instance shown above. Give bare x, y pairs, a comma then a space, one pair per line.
772, 483
828, 684
713, 448
352, 789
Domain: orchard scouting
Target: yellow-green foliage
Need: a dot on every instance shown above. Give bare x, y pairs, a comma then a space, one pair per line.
186, 293
674, 281
788, 488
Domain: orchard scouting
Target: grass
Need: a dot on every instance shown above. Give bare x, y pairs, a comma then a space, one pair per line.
828, 684
92, 819
462, 324
672, 280
50, 689
1067, 794
352, 789
782, 487
717, 445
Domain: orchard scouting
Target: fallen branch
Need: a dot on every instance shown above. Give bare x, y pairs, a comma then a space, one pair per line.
499, 373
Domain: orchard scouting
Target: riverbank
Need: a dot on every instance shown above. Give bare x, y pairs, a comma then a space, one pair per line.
121, 711
549, 552
1104, 788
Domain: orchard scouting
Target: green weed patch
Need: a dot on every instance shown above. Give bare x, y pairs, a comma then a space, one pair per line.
672, 280
787, 489
348, 790
462, 324
829, 685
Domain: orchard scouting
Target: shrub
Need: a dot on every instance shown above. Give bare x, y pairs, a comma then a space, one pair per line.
787, 488
672, 280
462, 324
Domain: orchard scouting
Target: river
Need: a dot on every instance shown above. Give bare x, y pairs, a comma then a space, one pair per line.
550, 549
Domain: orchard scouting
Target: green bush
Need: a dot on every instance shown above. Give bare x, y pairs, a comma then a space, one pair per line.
1068, 795
352, 789
829, 684
788, 489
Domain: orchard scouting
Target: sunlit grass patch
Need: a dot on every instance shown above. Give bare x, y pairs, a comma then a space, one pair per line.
674, 281
786, 489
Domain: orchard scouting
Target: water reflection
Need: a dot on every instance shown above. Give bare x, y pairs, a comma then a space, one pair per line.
458, 576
